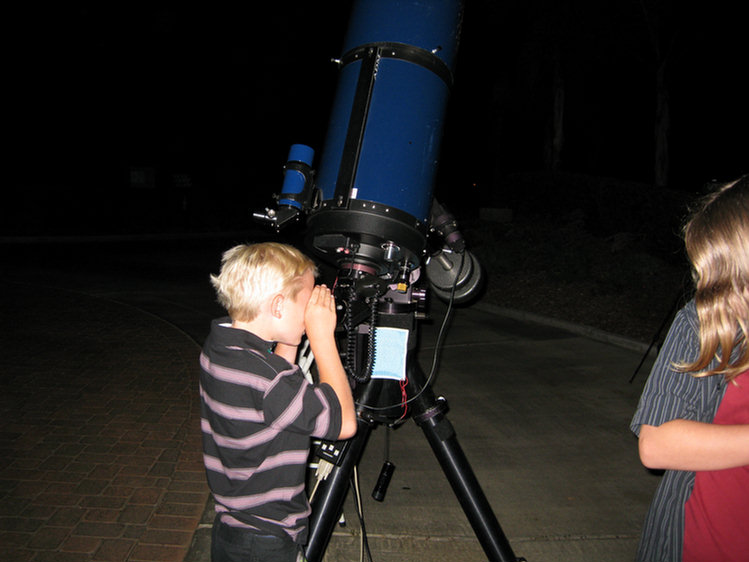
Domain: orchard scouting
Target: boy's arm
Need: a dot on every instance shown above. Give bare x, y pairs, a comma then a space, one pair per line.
320, 321
691, 445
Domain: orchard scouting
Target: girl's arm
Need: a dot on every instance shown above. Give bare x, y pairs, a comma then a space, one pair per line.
690, 445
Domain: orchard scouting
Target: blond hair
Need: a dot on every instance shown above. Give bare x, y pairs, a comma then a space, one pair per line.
252, 274
717, 243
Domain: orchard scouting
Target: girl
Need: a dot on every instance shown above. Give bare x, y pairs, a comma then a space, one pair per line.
693, 416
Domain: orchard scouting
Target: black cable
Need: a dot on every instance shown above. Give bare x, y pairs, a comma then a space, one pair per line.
437, 348
360, 515
371, 352
352, 335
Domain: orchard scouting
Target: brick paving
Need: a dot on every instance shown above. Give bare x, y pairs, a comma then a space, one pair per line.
99, 431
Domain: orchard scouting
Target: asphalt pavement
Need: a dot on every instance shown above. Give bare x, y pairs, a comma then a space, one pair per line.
100, 435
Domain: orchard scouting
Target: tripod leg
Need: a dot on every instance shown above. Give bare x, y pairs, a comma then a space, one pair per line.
428, 413
331, 493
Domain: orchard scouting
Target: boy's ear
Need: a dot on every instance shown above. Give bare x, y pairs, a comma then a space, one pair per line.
276, 306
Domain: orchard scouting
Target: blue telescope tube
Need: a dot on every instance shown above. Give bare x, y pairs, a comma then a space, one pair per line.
382, 148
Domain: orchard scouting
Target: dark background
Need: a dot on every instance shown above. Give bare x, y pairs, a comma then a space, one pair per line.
122, 118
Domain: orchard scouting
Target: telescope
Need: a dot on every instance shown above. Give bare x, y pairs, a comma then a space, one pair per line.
369, 212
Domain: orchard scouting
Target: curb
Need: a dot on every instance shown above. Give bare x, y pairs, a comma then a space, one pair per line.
580, 329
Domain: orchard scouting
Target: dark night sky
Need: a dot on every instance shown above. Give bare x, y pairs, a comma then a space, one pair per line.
220, 94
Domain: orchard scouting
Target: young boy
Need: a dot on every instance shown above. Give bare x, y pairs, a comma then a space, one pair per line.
258, 410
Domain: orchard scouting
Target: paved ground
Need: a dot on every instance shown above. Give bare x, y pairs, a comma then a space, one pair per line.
99, 434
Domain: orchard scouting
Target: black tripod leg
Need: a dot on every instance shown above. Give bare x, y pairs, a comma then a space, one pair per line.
428, 413
331, 493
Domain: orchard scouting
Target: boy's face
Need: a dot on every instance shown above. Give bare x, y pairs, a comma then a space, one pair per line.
292, 325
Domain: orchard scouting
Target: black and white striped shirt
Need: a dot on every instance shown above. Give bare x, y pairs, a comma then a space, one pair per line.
258, 413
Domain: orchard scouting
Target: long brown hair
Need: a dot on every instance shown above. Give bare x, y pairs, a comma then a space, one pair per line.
717, 243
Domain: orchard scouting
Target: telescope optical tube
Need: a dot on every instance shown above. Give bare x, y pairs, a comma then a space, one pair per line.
381, 152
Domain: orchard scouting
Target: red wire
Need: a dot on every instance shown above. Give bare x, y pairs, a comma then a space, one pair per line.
404, 397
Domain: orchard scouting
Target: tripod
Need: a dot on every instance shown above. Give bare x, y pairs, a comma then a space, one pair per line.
379, 402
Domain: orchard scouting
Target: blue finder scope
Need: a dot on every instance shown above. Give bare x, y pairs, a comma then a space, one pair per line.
296, 175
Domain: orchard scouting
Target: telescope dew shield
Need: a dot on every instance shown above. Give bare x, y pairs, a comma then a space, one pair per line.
381, 152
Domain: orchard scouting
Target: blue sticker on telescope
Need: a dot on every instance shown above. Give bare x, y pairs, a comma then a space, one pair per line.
391, 345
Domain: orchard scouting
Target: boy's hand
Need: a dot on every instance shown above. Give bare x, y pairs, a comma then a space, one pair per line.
320, 316
320, 322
